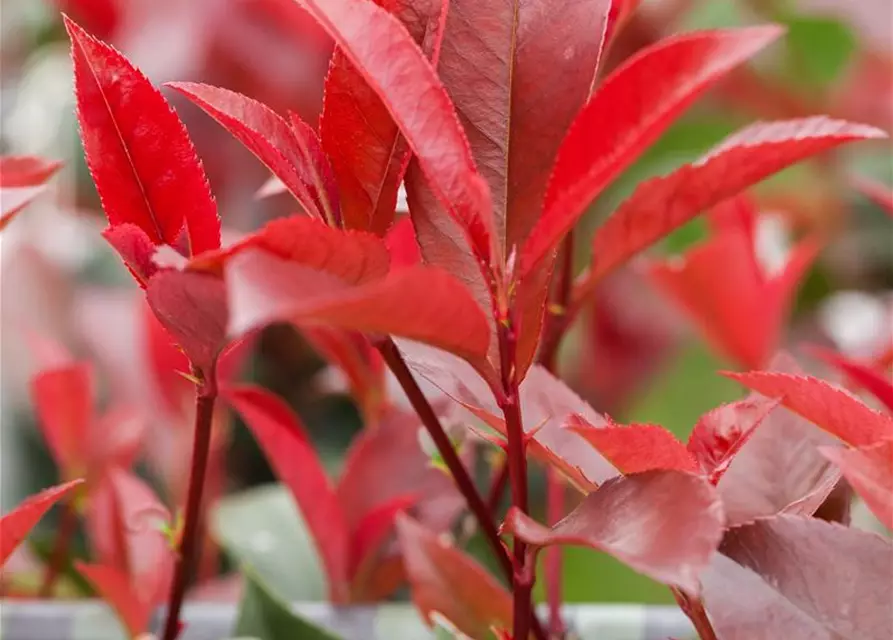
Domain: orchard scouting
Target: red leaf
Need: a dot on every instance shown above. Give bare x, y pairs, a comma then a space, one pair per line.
402, 244
833, 409
192, 307
13, 200
370, 537
719, 434
621, 11
135, 248
628, 112
269, 137
294, 461
869, 470
64, 401
114, 587
367, 152
783, 577
663, 204
17, 524
664, 524
138, 151
391, 62
419, 303
863, 375
636, 448
26, 171
446, 581
880, 194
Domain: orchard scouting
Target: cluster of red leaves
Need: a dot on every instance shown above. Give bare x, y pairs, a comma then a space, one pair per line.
496, 121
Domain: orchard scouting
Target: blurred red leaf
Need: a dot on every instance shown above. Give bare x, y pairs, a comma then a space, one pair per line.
17, 524
269, 137
864, 375
284, 442
800, 577
880, 194
738, 305
138, 151
664, 524
627, 113
833, 409
420, 303
13, 200
114, 587
367, 152
366, 545
719, 434
637, 447
869, 470
192, 307
446, 581
660, 205
391, 62
26, 171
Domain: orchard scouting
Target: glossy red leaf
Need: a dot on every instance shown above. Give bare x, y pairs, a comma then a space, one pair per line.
420, 303
661, 205
367, 152
138, 151
636, 448
17, 524
135, 248
192, 307
114, 587
639, 100
284, 442
383, 51
269, 137
63, 399
869, 470
880, 194
833, 409
773, 579
664, 524
719, 434
446, 581
863, 375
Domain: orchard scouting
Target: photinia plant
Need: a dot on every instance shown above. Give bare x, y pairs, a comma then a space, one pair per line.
502, 122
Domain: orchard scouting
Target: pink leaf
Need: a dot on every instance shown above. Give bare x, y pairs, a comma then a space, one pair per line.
869, 470
284, 443
17, 524
114, 587
800, 577
269, 137
661, 205
636, 448
629, 112
391, 62
138, 151
833, 409
880, 194
861, 374
664, 524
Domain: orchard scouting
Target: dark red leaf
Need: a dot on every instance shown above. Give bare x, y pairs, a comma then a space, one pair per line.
383, 51
636, 448
621, 11
192, 307
135, 248
880, 194
115, 588
17, 524
367, 152
861, 374
869, 470
420, 303
661, 205
63, 399
628, 112
283, 440
26, 171
138, 151
269, 137
833, 409
446, 581
800, 577
719, 434
664, 524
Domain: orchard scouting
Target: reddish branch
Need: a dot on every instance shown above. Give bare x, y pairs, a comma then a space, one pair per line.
206, 395
68, 522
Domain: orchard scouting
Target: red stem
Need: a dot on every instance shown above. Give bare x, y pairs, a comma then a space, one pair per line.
68, 523
553, 559
694, 609
205, 397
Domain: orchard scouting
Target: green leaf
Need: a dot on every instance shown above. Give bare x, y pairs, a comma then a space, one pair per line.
263, 614
263, 528
820, 47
